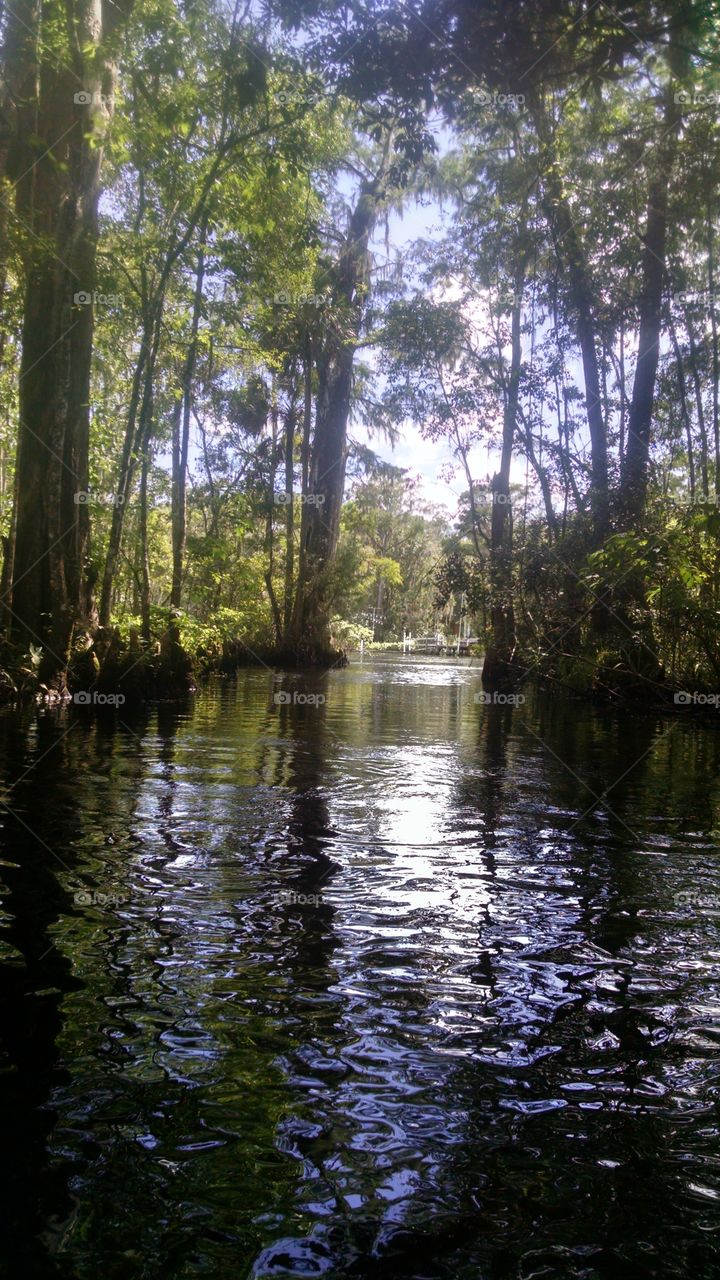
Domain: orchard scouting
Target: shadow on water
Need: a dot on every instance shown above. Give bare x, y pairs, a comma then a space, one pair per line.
44, 757
33, 976
578, 1139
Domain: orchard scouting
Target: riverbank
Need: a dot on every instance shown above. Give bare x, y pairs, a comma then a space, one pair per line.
112, 669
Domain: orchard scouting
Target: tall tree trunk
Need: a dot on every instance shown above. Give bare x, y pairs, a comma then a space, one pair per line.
637, 451
153, 306
623, 396
289, 517
699, 406
326, 480
58, 156
20, 88
499, 667
181, 432
570, 251
270, 530
136, 428
684, 410
714, 333
630, 601
135, 566
292, 630
144, 549
543, 480
9, 561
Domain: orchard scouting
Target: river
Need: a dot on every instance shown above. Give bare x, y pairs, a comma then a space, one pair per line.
353, 976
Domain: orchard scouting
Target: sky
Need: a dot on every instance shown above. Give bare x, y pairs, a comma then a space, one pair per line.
427, 459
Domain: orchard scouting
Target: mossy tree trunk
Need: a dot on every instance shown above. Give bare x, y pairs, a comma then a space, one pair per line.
55, 161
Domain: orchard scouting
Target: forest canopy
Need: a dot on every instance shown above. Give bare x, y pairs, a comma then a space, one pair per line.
215, 329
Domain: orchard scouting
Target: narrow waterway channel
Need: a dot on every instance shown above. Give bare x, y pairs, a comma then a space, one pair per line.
374, 982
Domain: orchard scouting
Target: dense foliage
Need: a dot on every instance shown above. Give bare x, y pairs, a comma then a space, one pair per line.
206, 317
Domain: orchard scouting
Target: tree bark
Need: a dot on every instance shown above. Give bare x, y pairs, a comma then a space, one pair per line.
499, 667
326, 480
684, 410
181, 433
269, 528
715, 351
699, 406
569, 250
136, 429
637, 451
289, 515
144, 550
57, 158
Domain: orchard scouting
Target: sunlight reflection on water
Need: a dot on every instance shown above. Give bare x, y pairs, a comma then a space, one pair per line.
377, 987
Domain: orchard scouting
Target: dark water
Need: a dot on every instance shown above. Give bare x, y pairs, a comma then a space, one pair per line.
372, 988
